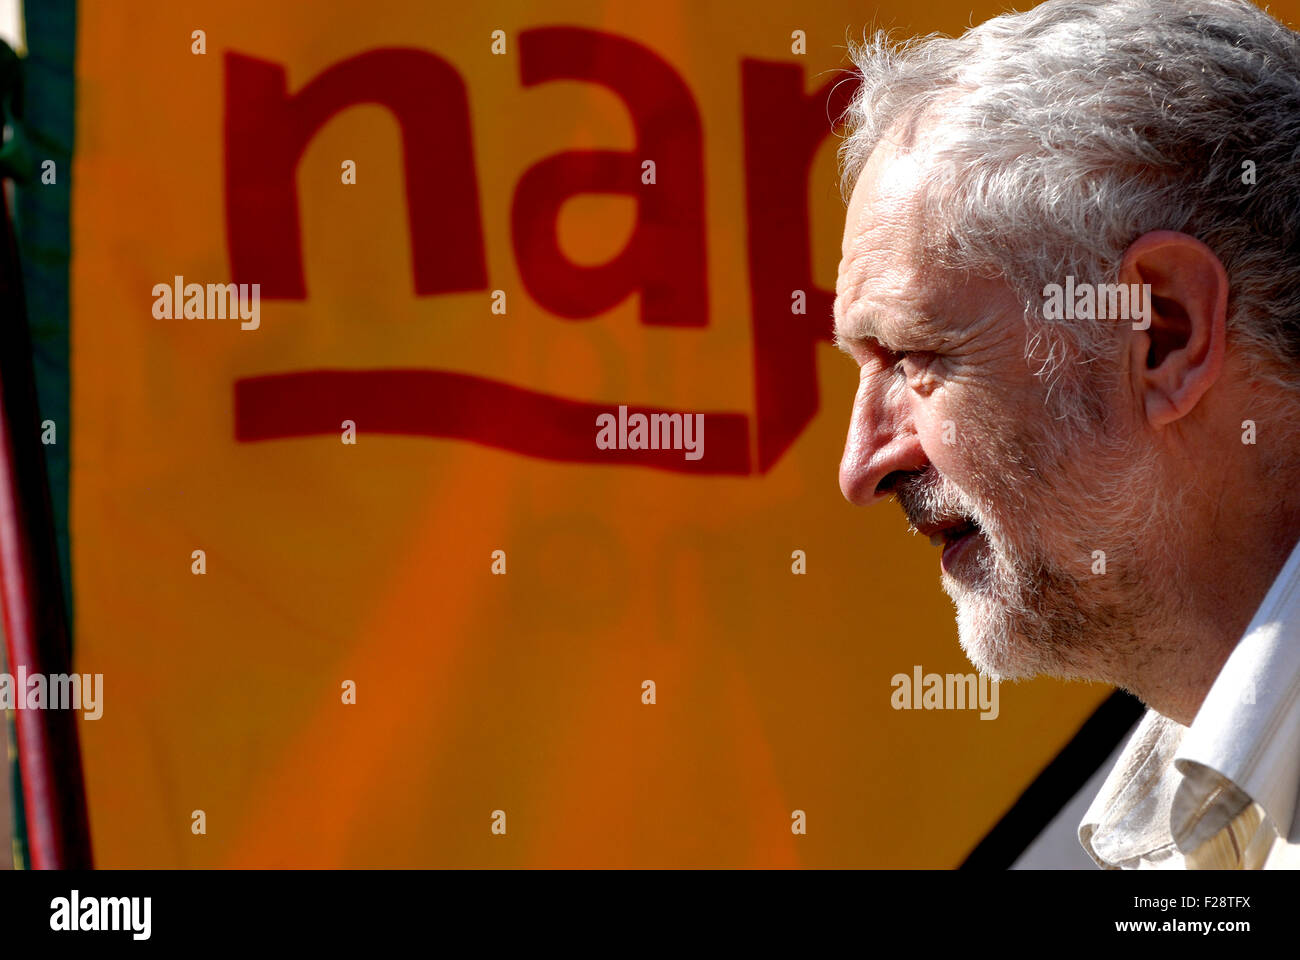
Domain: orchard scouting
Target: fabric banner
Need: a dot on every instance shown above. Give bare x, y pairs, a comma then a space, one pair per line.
378, 318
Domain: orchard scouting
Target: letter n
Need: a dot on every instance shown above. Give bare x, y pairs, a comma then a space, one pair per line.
267, 132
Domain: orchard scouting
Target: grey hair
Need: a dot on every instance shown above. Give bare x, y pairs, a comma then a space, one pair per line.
1070, 130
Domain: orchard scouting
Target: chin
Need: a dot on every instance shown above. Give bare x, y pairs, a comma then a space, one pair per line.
992, 642
983, 644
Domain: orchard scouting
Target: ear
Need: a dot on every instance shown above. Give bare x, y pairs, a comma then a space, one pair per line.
1179, 356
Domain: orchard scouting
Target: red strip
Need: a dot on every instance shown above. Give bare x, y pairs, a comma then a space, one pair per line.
441, 403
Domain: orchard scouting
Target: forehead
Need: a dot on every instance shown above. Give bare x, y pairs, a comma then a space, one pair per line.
888, 186
883, 287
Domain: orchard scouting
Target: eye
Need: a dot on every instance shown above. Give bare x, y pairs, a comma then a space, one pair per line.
902, 356
911, 366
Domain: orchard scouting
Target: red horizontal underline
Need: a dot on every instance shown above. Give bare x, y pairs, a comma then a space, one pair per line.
460, 406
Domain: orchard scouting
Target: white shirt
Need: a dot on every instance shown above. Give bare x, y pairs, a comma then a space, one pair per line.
1222, 793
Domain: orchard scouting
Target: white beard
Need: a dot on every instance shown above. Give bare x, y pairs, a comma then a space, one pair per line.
1027, 599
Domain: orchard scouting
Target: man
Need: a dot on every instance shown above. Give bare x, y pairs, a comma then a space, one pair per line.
1071, 282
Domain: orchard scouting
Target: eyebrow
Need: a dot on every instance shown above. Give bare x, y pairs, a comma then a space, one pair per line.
866, 329
871, 327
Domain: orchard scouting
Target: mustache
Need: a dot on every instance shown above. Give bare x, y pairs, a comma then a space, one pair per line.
927, 499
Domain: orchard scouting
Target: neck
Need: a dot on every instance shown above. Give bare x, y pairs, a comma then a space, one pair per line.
1226, 574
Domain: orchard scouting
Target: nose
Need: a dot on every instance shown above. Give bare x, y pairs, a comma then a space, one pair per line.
882, 445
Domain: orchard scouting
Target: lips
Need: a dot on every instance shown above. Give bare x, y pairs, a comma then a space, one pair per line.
956, 545
946, 531
949, 534
954, 535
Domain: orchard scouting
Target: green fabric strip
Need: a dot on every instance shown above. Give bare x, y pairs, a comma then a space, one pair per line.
44, 129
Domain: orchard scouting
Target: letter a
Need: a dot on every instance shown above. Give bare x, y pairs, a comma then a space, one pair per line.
901, 698
1052, 306
59, 918
607, 435
162, 305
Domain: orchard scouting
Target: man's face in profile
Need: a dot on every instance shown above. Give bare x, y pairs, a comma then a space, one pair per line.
1050, 537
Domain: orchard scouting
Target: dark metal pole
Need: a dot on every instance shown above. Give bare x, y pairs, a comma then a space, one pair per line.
35, 619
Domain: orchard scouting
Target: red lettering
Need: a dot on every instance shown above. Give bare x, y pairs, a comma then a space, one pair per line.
267, 131
665, 258
783, 129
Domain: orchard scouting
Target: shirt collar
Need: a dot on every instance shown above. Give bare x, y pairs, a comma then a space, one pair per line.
1127, 823
1248, 729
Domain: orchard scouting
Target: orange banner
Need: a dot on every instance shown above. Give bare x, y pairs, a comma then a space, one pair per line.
369, 579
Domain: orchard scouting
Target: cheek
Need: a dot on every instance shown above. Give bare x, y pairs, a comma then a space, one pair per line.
971, 443
943, 435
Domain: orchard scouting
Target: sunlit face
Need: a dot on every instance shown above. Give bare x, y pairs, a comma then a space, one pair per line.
1045, 537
